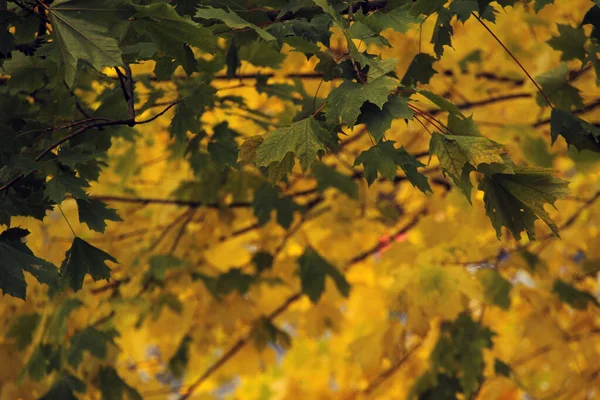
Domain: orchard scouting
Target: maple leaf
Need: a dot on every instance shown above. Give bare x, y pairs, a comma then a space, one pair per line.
89, 339
329, 177
574, 297
169, 30
83, 259
267, 199
85, 36
385, 159
232, 20
179, 361
57, 327
455, 152
496, 288
570, 41
399, 19
303, 138
420, 70
517, 200
65, 388
346, 100
15, 258
441, 102
23, 328
379, 120
64, 183
556, 86
112, 386
94, 213
576, 131
313, 269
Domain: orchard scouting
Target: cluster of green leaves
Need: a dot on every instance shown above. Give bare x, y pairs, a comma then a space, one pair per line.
457, 361
53, 149
57, 352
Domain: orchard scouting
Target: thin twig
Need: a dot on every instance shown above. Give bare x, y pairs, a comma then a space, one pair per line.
515, 59
65, 217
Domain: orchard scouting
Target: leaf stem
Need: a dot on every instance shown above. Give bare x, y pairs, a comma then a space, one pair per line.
65, 217
515, 59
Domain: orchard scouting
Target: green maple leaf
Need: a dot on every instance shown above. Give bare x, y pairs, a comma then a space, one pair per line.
248, 149
454, 152
63, 183
278, 170
113, 387
361, 31
23, 328
234, 280
65, 388
427, 7
571, 295
576, 131
83, 259
441, 102
262, 54
539, 4
303, 138
379, 120
26, 73
324, 4
346, 100
570, 41
328, 177
517, 200
264, 332
313, 269
381, 159
469, 339
556, 86
420, 70
170, 31
495, 287
86, 35
464, 8
15, 258
179, 361
57, 327
442, 32
462, 126
89, 339
94, 213
409, 165
222, 147
267, 199
384, 158
160, 265
399, 19
232, 20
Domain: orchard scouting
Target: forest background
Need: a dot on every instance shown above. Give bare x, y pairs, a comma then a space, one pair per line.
299, 200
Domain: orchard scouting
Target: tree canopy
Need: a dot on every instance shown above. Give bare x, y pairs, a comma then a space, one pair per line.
299, 199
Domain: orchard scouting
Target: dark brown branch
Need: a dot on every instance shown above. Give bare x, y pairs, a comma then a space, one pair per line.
127, 85
145, 121
176, 202
388, 373
112, 285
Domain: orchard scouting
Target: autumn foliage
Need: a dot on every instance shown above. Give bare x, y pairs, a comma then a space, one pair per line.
308, 199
